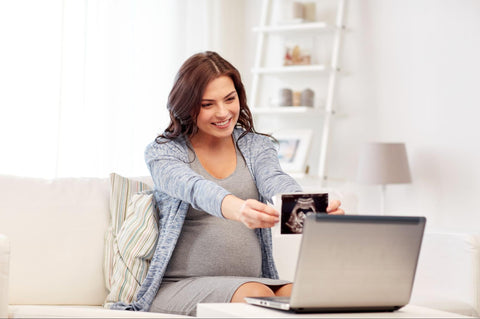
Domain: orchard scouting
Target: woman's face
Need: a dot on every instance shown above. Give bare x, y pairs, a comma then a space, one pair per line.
219, 110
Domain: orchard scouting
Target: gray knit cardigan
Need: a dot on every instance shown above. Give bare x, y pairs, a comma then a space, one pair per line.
177, 186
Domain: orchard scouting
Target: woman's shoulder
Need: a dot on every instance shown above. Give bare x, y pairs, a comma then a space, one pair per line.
252, 140
164, 146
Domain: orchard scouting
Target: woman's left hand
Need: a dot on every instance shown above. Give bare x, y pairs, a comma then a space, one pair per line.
334, 208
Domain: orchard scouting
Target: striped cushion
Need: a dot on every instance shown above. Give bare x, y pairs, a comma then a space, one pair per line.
130, 239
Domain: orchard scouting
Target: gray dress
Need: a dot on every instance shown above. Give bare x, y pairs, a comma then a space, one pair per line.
213, 256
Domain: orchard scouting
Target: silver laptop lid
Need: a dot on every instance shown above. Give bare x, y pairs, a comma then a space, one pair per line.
357, 261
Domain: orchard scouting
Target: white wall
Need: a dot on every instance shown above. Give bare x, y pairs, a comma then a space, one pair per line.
84, 84
411, 72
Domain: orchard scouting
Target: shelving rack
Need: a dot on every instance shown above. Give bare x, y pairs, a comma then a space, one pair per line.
324, 112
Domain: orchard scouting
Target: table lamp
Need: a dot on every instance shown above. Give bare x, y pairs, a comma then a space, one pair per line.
383, 163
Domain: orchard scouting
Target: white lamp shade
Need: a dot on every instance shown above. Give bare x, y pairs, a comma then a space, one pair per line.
383, 163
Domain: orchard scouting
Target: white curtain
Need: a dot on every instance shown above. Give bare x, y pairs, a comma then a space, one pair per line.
84, 84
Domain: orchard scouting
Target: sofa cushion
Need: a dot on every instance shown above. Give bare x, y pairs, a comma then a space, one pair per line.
56, 229
134, 247
130, 239
448, 273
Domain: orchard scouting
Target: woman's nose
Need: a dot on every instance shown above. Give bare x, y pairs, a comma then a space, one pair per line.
222, 110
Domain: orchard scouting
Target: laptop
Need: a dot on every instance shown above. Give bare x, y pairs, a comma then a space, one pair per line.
350, 263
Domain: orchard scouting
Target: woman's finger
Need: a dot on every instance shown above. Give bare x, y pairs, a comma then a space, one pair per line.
252, 217
333, 205
261, 217
339, 211
261, 207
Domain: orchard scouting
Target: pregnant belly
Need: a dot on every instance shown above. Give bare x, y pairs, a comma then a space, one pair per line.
221, 248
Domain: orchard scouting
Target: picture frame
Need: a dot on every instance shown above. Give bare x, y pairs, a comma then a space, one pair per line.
293, 148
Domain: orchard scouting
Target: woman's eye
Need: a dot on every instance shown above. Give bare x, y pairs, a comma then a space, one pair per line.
206, 105
231, 99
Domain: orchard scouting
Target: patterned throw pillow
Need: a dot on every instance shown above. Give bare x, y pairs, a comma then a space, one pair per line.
131, 238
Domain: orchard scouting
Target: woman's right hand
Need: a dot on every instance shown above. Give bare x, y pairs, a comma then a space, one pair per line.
250, 212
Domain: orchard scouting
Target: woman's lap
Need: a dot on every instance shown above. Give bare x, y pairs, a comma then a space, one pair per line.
181, 297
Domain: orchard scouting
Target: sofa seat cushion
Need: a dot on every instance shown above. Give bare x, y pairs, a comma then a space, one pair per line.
43, 311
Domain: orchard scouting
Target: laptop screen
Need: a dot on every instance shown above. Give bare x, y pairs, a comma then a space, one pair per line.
357, 261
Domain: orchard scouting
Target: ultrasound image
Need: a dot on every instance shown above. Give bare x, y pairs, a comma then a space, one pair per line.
295, 207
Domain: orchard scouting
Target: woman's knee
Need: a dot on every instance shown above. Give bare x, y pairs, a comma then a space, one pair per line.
284, 291
251, 289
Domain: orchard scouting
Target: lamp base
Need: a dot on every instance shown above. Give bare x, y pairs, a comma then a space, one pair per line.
382, 198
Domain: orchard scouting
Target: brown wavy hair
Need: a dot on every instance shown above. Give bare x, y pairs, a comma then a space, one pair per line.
184, 100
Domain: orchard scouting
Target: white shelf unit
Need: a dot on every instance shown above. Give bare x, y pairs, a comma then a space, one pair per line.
321, 111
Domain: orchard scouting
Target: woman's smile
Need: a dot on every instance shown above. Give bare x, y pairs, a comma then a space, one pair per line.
223, 124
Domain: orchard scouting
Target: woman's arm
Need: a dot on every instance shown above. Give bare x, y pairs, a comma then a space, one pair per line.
171, 173
269, 176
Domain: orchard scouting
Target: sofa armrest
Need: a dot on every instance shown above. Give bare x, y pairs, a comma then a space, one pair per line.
448, 273
4, 274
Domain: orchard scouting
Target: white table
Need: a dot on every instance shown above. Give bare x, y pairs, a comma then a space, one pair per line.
242, 310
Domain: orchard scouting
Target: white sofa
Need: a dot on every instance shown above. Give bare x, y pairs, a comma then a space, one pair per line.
52, 250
